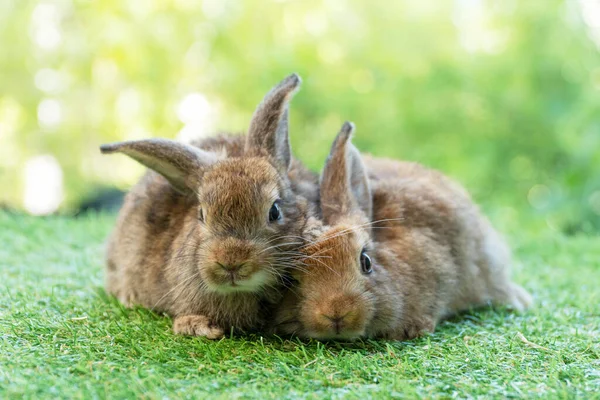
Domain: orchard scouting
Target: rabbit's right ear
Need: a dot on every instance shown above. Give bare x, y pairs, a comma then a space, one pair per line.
268, 133
345, 186
180, 163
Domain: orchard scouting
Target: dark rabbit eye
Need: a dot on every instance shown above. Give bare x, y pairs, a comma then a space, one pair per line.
275, 212
200, 215
365, 262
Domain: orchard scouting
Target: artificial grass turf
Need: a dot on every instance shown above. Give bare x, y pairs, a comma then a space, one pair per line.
61, 336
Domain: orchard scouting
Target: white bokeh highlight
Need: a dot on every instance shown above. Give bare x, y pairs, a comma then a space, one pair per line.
45, 26
49, 113
198, 116
44, 191
49, 80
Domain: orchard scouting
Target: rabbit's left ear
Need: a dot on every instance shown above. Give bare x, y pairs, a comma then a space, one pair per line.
345, 186
268, 132
181, 164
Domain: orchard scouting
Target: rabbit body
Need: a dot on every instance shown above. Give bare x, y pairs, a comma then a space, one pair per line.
431, 253
205, 236
441, 254
150, 243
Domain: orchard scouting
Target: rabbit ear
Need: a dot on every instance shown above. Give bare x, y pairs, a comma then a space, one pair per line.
344, 182
180, 163
268, 132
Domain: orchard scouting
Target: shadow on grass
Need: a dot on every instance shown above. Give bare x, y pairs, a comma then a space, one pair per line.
137, 316
158, 326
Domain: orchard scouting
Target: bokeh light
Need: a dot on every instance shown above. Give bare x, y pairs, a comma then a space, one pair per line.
43, 185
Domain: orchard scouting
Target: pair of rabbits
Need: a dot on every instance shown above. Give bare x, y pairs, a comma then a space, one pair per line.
232, 232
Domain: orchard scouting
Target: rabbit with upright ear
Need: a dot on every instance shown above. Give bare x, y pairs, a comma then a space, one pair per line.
205, 235
400, 247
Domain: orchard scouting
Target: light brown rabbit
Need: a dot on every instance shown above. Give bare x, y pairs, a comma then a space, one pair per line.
204, 236
401, 247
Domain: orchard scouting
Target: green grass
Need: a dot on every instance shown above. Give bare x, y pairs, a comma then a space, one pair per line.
61, 336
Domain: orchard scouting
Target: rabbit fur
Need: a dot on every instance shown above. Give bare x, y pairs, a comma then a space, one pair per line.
431, 253
207, 234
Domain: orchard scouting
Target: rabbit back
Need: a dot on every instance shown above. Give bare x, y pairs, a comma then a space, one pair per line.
461, 259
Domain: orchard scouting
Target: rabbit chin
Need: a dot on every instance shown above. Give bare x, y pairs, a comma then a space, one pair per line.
255, 283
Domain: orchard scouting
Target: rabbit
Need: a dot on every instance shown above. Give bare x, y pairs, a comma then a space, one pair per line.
203, 236
399, 247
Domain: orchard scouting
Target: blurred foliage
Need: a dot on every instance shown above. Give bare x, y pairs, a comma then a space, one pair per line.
502, 95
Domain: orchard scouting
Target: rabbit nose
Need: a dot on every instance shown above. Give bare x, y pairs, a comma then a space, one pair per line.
231, 268
337, 321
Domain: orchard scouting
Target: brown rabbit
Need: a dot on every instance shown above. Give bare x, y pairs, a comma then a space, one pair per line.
401, 247
204, 238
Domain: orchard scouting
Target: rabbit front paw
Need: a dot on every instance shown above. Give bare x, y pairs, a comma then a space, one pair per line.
415, 329
197, 325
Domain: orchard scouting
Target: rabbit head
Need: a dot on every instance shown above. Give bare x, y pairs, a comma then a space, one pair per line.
333, 297
244, 210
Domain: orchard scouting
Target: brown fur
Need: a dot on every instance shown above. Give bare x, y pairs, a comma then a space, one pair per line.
433, 253
194, 240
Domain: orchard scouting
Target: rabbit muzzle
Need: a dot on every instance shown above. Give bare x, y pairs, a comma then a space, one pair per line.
235, 265
339, 316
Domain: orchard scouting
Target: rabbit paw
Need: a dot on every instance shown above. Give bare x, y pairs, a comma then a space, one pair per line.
520, 299
197, 325
418, 328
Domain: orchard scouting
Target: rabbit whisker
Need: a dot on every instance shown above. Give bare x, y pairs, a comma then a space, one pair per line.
185, 281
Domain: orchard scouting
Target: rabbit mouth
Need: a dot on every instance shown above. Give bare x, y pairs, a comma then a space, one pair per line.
345, 327
235, 283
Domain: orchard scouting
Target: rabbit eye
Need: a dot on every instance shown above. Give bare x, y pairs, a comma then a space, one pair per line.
275, 212
200, 215
365, 262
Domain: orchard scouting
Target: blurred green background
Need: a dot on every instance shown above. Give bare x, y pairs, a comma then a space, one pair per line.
502, 95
